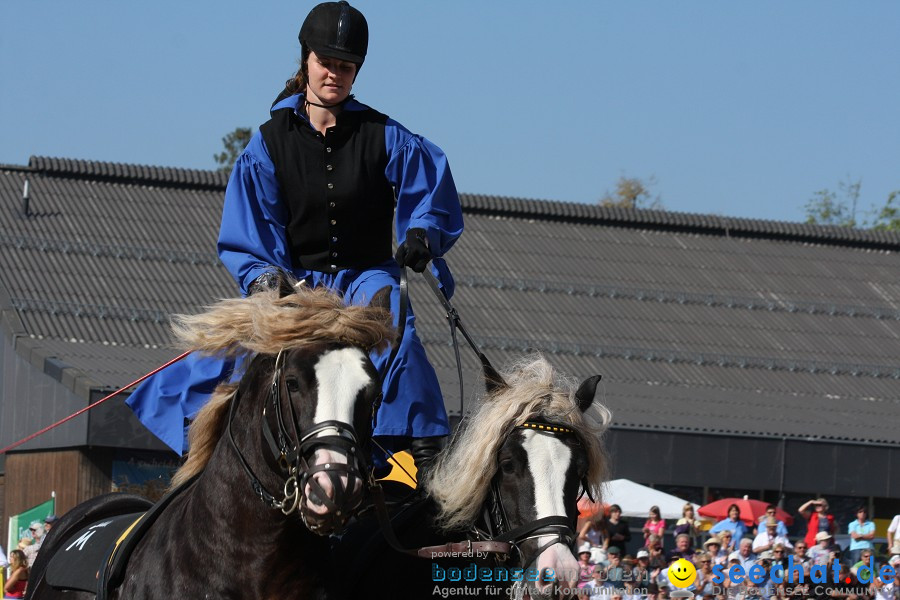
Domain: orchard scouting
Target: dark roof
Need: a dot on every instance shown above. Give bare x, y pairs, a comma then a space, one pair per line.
698, 323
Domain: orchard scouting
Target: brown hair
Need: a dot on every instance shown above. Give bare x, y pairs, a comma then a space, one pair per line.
297, 83
17, 559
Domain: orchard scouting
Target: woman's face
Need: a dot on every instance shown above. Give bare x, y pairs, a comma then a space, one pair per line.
734, 513
329, 79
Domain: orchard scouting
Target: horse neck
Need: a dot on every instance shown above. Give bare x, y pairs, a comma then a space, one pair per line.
225, 499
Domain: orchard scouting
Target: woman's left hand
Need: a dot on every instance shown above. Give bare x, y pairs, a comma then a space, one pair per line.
414, 252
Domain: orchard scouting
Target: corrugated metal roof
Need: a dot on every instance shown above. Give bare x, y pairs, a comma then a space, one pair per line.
697, 322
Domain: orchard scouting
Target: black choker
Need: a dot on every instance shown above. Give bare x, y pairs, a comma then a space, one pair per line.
342, 102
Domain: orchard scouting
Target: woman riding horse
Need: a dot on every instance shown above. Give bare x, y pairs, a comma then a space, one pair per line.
318, 193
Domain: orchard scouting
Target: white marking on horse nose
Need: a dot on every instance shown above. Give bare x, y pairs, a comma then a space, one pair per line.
548, 462
341, 374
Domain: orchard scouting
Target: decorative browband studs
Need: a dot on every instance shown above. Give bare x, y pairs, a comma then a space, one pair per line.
546, 427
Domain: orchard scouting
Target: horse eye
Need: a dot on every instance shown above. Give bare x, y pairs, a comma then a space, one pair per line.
292, 385
507, 466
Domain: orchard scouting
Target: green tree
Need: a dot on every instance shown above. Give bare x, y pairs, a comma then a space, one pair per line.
234, 143
888, 217
827, 207
835, 208
633, 192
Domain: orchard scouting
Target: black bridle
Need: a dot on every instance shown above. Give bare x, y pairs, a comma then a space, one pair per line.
559, 528
293, 450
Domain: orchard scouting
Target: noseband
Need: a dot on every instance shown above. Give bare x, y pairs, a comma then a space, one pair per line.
294, 451
559, 528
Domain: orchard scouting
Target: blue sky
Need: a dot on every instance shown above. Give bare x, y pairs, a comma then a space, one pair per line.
741, 108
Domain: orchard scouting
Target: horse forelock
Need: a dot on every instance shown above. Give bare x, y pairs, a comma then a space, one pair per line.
265, 324
460, 479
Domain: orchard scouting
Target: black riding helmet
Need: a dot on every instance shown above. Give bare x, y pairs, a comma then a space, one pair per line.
336, 30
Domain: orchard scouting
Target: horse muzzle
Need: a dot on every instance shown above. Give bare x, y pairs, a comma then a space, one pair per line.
332, 484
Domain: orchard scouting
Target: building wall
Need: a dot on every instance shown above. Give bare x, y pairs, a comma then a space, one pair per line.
755, 464
33, 477
30, 400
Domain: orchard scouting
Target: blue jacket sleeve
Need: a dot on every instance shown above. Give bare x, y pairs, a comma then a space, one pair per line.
426, 194
252, 238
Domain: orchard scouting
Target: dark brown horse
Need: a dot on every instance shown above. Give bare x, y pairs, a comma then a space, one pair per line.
511, 476
279, 454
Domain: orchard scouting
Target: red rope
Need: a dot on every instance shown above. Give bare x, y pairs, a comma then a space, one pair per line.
90, 406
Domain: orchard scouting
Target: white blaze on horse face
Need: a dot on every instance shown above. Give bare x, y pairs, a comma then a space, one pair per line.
341, 375
548, 462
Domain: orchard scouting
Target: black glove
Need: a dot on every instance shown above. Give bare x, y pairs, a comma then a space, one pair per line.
414, 252
271, 280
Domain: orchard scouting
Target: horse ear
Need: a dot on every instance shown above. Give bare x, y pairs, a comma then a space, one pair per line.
382, 299
493, 381
584, 397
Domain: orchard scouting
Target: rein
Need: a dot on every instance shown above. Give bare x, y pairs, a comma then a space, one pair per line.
494, 538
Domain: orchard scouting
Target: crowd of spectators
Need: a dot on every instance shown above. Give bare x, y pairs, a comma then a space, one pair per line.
17, 565
739, 558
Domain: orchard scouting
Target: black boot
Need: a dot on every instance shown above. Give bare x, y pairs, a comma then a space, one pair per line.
424, 450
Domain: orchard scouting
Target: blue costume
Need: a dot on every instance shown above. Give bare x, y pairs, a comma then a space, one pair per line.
319, 206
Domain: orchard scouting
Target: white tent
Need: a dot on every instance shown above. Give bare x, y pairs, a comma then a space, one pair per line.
636, 499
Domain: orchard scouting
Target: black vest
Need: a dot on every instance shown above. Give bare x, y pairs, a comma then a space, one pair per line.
340, 203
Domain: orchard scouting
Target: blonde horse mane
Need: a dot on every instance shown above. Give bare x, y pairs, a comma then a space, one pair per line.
460, 479
265, 324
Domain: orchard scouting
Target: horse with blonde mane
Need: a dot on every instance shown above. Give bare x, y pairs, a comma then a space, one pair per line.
512, 474
278, 455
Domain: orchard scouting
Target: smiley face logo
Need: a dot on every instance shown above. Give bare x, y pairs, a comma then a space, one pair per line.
682, 573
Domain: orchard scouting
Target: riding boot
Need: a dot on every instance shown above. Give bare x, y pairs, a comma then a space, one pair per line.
424, 450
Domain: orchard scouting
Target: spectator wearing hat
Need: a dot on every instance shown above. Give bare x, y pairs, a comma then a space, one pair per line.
771, 512
641, 572
713, 546
820, 553
49, 522
767, 538
766, 588
614, 572
732, 586
585, 566
862, 532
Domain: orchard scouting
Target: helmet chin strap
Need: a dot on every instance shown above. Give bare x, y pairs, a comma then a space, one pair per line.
310, 102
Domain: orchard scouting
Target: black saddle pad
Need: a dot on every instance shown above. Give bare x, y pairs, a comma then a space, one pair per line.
76, 564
